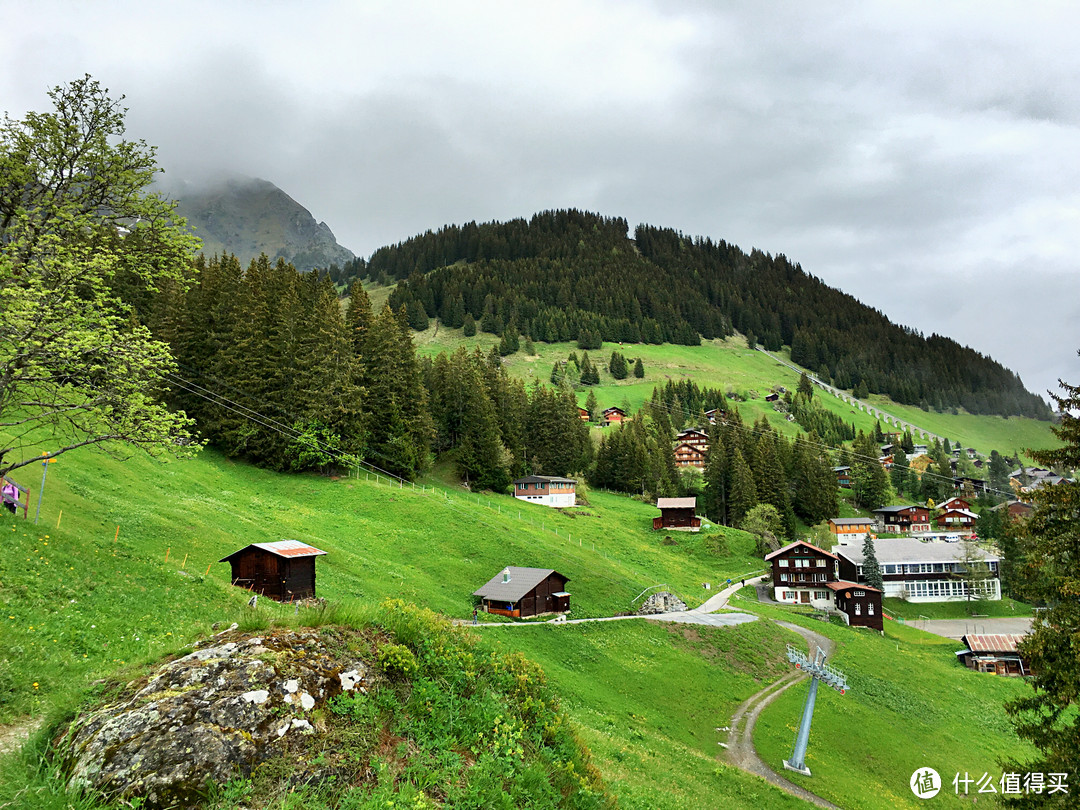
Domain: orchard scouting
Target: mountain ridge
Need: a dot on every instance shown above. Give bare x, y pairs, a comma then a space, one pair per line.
247, 216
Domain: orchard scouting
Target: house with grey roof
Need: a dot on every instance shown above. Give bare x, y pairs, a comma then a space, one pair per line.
919, 571
519, 592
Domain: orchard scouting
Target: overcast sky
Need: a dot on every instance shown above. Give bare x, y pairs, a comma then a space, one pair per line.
922, 156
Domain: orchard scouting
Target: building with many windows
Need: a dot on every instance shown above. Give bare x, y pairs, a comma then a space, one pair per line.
807, 575
548, 490
918, 571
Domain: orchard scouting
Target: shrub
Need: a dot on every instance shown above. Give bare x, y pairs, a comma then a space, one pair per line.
397, 661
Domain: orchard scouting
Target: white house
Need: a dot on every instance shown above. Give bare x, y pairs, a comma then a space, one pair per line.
918, 571
546, 490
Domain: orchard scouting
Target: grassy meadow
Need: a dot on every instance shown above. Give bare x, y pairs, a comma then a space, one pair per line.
729, 365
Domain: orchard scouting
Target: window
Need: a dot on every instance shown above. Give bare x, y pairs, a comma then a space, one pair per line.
870, 609
858, 609
860, 593
782, 563
821, 594
821, 563
789, 595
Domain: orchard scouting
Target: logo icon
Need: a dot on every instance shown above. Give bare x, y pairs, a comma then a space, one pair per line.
925, 783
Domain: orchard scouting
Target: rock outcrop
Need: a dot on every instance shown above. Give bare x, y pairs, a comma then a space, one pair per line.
661, 602
213, 714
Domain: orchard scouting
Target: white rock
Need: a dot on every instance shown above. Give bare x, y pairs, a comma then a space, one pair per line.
350, 679
287, 698
292, 686
307, 701
257, 696
281, 731
304, 726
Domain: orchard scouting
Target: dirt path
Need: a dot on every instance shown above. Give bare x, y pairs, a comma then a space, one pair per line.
14, 735
740, 743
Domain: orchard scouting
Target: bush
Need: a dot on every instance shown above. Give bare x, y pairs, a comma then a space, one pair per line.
397, 661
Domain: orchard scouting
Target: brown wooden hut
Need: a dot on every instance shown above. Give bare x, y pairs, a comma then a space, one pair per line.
678, 514
525, 592
283, 571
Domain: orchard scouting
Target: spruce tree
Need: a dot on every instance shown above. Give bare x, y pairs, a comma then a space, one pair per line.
742, 495
468, 326
639, 369
591, 406
871, 570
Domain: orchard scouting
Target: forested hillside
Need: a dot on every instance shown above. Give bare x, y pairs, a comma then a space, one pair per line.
571, 275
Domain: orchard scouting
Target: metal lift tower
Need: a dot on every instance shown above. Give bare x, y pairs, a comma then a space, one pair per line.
817, 671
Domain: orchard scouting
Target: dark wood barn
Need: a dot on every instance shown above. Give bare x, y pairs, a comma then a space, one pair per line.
284, 570
678, 514
525, 592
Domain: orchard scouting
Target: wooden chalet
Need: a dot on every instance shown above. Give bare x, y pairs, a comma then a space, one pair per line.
954, 503
689, 455
772, 397
859, 604
1014, 509
283, 571
848, 530
677, 514
843, 477
956, 519
996, 653
583, 414
800, 573
902, 519
614, 415
519, 592
693, 436
713, 414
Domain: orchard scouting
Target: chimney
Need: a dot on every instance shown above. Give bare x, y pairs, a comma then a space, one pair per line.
506, 575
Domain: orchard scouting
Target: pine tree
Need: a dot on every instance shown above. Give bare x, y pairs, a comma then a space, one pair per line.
591, 406
469, 325
714, 502
871, 569
742, 493
639, 369
806, 388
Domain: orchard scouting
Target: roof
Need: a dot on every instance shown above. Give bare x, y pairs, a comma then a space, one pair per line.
963, 512
282, 548
839, 586
850, 521
993, 642
693, 448
798, 543
692, 430
544, 479
676, 503
907, 550
892, 509
615, 409
522, 580
840, 469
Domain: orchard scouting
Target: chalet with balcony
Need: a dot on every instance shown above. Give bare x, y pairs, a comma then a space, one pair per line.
689, 455
546, 490
695, 437
843, 477
918, 571
902, 519
583, 414
614, 415
1014, 509
520, 592
960, 520
283, 571
801, 573
677, 514
954, 503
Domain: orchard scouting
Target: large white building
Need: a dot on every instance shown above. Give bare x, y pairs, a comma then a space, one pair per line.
918, 571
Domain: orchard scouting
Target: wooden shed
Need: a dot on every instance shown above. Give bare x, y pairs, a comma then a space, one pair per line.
525, 592
284, 570
678, 514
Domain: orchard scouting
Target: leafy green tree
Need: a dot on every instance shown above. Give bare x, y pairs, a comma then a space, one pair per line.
85, 244
764, 522
973, 571
871, 567
1049, 544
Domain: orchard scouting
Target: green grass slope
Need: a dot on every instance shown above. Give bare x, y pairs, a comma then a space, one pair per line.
130, 574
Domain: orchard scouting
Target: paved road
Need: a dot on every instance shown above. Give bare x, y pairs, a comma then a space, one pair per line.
955, 628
